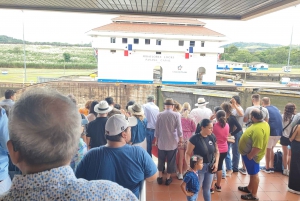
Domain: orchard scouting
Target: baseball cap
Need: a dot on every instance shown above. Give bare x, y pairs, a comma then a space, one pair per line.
117, 123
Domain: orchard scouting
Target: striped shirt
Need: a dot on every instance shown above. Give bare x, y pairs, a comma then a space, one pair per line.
168, 130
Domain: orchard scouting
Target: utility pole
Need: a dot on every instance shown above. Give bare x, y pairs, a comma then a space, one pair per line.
25, 74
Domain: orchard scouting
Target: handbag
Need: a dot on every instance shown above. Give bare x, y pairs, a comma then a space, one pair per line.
213, 159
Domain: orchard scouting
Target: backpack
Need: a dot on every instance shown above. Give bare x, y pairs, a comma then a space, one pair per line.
278, 167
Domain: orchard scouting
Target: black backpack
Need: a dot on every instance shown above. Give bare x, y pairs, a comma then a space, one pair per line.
278, 167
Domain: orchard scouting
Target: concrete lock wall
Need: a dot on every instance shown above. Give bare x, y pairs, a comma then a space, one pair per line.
83, 92
122, 93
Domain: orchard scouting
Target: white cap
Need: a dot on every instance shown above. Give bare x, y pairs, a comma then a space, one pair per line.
117, 123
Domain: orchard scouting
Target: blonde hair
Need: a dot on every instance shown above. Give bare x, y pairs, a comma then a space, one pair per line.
140, 117
186, 109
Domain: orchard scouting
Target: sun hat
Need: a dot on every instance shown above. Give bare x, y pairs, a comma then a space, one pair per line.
102, 107
136, 109
117, 123
201, 101
169, 101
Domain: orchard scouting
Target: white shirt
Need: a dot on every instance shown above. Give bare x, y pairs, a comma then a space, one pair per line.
151, 111
200, 113
239, 118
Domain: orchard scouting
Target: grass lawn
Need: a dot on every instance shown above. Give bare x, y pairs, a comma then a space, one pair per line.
16, 75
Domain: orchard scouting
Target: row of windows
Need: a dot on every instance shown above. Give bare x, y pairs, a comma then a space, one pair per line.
158, 42
201, 54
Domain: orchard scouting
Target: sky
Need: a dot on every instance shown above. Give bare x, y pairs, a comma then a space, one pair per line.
46, 26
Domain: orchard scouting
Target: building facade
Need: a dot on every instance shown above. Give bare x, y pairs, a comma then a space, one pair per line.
229, 66
131, 48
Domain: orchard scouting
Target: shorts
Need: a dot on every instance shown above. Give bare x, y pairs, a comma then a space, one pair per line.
251, 166
284, 141
273, 141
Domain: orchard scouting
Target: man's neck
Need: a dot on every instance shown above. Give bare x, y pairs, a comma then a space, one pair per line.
26, 169
113, 144
256, 104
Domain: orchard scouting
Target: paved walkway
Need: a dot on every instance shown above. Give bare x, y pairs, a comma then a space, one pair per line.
271, 187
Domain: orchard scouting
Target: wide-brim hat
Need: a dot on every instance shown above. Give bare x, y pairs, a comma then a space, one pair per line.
201, 101
102, 107
136, 109
169, 101
117, 123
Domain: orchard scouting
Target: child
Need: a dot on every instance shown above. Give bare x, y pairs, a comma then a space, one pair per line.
190, 184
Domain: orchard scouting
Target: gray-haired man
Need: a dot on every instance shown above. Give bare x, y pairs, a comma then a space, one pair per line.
44, 131
151, 111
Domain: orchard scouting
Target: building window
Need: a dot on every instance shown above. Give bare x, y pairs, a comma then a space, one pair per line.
158, 52
112, 40
136, 41
158, 42
124, 40
192, 43
181, 43
113, 51
202, 43
147, 41
202, 55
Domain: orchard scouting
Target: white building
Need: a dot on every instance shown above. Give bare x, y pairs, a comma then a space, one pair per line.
131, 47
229, 65
258, 66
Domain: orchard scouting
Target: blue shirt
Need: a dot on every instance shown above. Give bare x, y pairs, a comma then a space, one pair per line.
192, 182
275, 121
4, 137
128, 166
151, 111
61, 184
7, 102
138, 132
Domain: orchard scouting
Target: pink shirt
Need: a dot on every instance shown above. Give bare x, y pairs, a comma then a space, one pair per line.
188, 127
221, 136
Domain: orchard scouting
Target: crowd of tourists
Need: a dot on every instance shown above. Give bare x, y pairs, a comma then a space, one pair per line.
50, 150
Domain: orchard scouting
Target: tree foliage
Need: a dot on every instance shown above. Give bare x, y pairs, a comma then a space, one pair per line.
277, 55
67, 57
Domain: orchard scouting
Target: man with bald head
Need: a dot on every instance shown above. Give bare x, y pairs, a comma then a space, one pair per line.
44, 132
252, 147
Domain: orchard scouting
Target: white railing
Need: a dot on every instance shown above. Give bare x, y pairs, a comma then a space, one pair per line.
143, 191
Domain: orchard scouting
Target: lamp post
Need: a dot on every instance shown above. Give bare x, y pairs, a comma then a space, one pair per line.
25, 75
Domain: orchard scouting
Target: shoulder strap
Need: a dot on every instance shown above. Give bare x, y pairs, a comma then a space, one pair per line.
288, 123
205, 147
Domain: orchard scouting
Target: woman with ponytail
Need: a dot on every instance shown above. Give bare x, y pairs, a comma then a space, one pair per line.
188, 127
221, 131
235, 130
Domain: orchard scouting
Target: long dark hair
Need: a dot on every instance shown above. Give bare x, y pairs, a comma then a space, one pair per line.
220, 115
289, 111
226, 106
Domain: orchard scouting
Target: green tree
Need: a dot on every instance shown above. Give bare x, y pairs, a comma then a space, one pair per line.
232, 49
67, 57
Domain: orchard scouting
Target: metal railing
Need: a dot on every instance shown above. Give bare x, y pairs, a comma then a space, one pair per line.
143, 191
